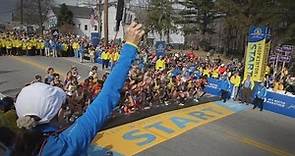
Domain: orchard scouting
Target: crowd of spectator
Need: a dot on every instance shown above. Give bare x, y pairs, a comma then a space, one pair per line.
153, 80
55, 45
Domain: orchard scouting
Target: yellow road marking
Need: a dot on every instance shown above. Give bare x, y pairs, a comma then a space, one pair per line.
137, 136
250, 141
265, 147
37, 65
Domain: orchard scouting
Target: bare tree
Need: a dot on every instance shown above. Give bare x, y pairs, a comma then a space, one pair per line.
34, 11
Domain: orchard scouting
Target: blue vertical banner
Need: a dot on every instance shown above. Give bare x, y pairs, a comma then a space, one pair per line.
160, 48
257, 52
95, 38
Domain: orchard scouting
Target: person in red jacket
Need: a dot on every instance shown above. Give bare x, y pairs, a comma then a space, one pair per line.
221, 69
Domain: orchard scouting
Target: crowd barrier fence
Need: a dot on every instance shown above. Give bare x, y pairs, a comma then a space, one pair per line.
275, 102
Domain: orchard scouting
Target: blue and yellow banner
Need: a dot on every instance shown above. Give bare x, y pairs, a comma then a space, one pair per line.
257, 53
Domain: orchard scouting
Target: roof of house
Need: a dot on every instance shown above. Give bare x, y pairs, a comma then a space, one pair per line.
78, 12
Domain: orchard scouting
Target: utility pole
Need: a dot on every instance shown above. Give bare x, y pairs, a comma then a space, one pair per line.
106, 22
40, 16
99, 10
22, 12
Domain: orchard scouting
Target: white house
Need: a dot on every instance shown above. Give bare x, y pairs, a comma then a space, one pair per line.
82, 21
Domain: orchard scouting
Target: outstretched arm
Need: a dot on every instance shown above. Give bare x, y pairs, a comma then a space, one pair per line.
76, 138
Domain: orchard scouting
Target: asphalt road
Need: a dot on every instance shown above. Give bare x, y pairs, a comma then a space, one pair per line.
15, 72
245, 133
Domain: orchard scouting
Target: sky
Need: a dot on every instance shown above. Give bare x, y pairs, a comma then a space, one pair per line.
6, 8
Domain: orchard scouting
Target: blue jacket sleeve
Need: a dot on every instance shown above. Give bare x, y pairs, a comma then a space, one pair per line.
75, 139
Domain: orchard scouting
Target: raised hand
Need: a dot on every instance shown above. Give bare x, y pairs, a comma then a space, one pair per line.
134, 33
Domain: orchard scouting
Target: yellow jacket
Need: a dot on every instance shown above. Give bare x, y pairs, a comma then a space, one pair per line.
14, 42
24, 45
1, 43
33, 42
29, 45
278, 86
8, 44
75, 45
105, 55
115, 56
267, 70
42, 45
65, 46
200, 69
206, 72
215, 73
8, 119
160, 64
235, 80
18, 43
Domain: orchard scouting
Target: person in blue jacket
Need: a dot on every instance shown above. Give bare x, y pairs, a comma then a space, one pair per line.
225, 89
260, 96
35, 138
47, 47
81, 52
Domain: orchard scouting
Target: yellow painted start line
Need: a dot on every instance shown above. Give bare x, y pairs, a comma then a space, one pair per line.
36, 65
137, 136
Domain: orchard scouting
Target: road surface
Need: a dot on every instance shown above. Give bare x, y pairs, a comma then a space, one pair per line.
240, 131
245, 133
15, 72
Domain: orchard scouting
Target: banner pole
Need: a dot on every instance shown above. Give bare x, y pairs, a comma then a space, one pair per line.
277, 62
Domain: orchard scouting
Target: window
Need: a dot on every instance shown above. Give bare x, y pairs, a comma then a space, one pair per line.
79, 26
85, 27
95, 28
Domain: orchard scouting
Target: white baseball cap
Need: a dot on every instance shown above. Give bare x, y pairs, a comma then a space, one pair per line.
41, 100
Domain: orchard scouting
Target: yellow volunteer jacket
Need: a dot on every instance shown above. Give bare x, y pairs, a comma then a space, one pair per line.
235, 80
1, 43
8, 44
105, 55
65, 46
18, 43
24, 45
115, 56
33, 42
29, 45
215, 73
42, 45
200, 69
278, 86
267, 70
14, 42
160, 64
206, 72
75, 45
